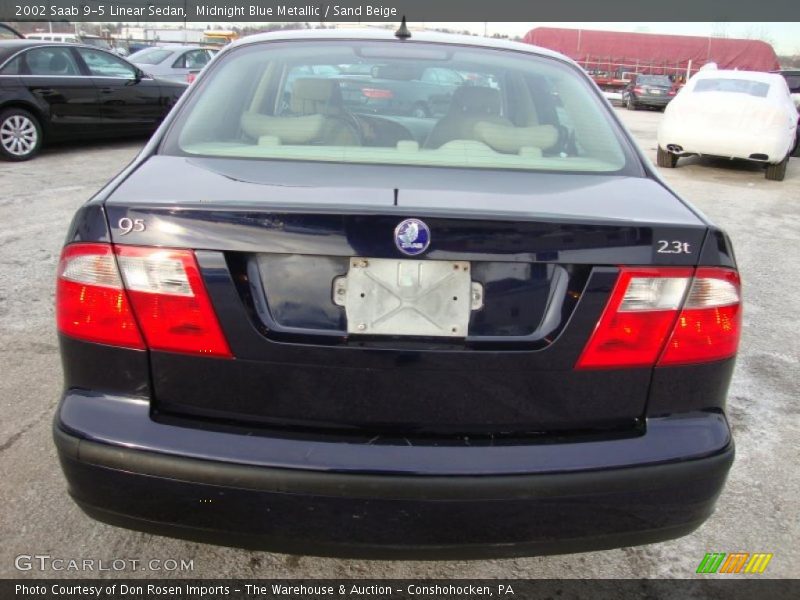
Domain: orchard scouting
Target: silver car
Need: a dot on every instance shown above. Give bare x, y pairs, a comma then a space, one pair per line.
172, 62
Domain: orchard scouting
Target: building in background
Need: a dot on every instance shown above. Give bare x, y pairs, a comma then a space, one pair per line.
611, 57
162, 34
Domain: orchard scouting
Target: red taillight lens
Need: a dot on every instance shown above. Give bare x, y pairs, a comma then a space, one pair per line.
710, 323
191, 77
635, 323
377, 94
647, 317
161, 288
638, 90
170, 300
90, 301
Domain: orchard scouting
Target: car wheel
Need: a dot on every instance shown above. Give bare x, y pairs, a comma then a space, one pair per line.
778, 171
420, 111
630, 104
666, 159
20, 135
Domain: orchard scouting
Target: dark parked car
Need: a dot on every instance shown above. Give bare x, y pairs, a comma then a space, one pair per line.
408, 89
792, 78
654, 91
52, 91
320, 333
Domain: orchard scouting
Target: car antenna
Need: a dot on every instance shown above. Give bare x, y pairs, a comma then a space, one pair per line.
402, 32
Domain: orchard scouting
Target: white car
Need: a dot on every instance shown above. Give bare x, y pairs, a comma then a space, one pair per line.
731, 114
172, 62
67, 38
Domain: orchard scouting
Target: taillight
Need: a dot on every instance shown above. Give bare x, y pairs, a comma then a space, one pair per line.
666, 316
190, 77
159, 289
710, 322
638, 90
377, 93
91, 303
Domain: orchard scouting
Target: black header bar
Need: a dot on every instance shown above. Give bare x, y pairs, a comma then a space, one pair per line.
310, 11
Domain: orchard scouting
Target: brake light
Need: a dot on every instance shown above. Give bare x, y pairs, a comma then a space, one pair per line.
638, 90
190, 77
710, 323
666, 316
91, 304
377, 93
160, 290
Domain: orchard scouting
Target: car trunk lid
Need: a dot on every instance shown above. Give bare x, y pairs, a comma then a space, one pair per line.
271, 246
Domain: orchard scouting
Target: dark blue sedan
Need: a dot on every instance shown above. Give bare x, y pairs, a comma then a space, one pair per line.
290, 325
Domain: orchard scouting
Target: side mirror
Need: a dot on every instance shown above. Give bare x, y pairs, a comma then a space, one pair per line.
138, 75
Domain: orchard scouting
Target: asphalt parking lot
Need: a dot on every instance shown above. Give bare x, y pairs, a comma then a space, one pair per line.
758, 511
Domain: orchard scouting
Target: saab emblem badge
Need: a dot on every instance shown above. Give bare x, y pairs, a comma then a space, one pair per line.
412, 237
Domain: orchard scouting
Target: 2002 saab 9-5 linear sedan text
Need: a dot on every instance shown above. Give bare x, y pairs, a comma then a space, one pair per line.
294, 326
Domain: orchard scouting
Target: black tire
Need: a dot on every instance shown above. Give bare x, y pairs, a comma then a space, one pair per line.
796, 151
630, 103
665, 159
420, 111
20, 135
777, 172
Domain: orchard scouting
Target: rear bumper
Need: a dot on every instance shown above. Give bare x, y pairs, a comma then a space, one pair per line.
653, 100
732, 143
239, 490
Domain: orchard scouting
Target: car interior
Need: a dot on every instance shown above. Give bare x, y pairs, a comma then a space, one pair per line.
488, 116
316, 113
50, 61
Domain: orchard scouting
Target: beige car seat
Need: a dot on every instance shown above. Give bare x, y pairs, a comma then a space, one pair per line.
318, 117
475, 116
470, 105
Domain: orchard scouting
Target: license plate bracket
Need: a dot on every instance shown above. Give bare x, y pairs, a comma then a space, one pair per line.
408, 297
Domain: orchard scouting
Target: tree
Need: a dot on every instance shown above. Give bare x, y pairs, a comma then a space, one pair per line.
757, 33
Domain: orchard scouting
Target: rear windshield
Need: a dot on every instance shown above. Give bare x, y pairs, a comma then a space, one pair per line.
736, 86
654, 80
400, 104
151, 56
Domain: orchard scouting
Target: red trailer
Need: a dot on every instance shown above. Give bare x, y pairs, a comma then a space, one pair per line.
611, 57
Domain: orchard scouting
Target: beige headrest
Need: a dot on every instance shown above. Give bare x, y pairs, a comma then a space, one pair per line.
288, 130
507, 138
315, 96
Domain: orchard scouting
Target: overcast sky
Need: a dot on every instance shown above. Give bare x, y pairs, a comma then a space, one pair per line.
785, 37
